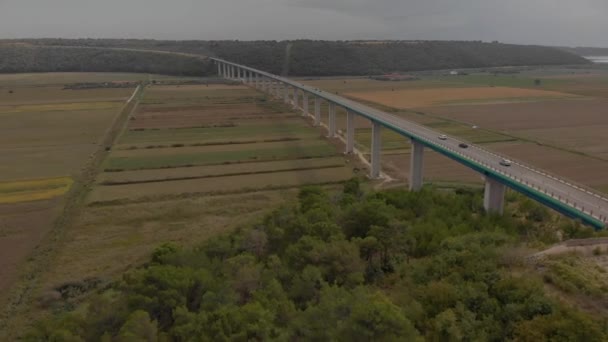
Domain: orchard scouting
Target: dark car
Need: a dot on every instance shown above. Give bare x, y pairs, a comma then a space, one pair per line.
463, 145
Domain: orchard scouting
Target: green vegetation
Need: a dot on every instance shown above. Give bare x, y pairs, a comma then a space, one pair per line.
289, 151
221, 134
384, 266
306, 57
577, 275
16, 58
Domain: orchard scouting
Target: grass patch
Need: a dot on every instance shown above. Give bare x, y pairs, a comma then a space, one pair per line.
33, 190
577, 275
295, 130
61, 107
209, 158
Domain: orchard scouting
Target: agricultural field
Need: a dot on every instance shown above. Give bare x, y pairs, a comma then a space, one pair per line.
48, 136
192, 161
551, 117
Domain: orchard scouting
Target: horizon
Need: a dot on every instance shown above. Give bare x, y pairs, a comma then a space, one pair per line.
305, 39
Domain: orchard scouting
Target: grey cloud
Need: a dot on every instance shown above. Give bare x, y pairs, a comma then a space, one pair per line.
563, 22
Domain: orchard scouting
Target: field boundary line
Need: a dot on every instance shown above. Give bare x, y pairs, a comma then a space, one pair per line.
110, 183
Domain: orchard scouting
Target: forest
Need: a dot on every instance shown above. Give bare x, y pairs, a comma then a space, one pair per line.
346, 265
15, 58
294, 58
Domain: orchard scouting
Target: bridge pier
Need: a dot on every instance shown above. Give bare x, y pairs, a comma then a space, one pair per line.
296, 98
332, 120
416, 165
274, 89
285, 93
376, 150
350, 132
494, 196
305, 104
317, 111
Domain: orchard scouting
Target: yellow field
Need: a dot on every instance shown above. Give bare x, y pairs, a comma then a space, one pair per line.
413, 98
72, 106
33, 190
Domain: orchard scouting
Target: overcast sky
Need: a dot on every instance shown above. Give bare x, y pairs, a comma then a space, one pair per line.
549, 22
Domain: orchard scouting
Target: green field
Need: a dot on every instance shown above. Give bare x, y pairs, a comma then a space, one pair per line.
310, 150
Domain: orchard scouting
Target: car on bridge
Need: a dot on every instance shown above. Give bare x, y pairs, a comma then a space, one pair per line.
443, 137
463, 145
505, 162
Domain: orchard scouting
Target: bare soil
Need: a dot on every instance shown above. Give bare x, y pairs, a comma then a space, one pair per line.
532, 115
413, 98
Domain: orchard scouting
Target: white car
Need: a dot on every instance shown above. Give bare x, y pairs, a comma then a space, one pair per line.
505, 162
443, 137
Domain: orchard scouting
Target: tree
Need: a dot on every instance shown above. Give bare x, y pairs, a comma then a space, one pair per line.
375, 318
138, 328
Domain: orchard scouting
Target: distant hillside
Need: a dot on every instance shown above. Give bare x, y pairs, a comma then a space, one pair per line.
587, 51
16, 58
329, 58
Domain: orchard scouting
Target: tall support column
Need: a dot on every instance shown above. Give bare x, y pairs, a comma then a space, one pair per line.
416, 165
296, 96
305, 104
332, 120
285, 93
231, 72
317, 111
494, 196
219, 69
257, 81
376, 149
350, 132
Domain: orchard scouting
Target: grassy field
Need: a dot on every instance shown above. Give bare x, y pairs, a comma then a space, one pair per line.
192, 162
414, 98
47, 136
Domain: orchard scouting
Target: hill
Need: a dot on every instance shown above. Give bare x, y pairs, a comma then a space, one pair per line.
312, 58
587, 51
17, 58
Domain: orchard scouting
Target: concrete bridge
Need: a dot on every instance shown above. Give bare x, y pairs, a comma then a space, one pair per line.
573, 200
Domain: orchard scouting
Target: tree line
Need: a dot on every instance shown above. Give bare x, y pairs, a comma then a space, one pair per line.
328, 58
20, 58
352, 266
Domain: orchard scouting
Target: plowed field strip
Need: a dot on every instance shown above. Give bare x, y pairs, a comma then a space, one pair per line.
217, 170
180, 160
287, 129
289, 145
221, 184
